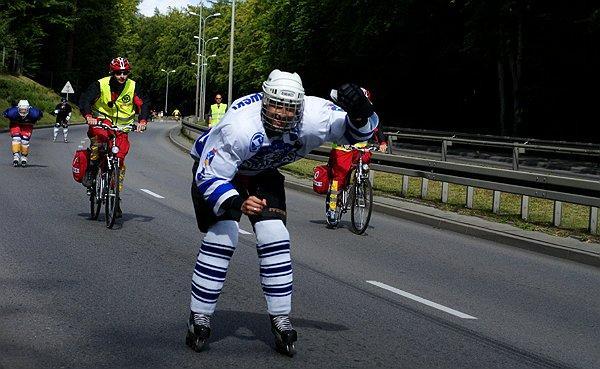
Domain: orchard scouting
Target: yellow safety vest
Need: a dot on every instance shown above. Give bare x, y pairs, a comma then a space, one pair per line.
122, 112
216, 113
346, 148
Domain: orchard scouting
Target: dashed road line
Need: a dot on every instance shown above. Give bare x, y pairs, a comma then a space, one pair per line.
152, 193
416, 298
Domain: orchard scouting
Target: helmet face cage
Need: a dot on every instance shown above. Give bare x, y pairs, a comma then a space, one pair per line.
281, 115
23, 107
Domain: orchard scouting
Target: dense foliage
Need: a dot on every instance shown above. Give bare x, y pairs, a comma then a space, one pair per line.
512, 67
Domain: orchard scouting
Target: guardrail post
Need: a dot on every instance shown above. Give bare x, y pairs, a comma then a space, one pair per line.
391, 144
593, 220
445, 144
524, 207
444, 192
424, 187
496, 202
405, 180
470, 193
515, 157
372, 177
557, 213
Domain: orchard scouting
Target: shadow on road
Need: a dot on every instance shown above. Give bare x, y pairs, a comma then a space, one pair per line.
30, 166
253, 326
126, 217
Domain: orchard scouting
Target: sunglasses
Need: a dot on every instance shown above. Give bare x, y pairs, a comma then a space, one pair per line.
217, 98
121, 73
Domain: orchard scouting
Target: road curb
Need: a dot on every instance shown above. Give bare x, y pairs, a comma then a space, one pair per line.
476, 231
522, 242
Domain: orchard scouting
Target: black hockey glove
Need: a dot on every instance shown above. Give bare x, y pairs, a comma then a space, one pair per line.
351, 98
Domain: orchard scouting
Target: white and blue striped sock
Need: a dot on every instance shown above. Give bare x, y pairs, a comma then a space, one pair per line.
211, 266
273, 247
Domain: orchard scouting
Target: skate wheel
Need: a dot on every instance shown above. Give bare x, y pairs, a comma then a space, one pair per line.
195, 343
284, 349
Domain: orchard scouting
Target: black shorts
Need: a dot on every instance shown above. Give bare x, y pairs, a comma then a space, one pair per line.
267, 185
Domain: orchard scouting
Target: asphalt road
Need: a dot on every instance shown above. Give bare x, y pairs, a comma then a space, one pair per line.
74, 294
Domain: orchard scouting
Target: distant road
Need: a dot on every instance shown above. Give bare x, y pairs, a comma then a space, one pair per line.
74, 294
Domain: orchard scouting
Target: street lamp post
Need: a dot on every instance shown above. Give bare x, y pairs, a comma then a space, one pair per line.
167, 91
199, 15
230, 89
203, 72
203, 76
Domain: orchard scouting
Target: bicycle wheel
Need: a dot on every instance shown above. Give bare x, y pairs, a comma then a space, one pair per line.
96, 197
112, 195
361, 205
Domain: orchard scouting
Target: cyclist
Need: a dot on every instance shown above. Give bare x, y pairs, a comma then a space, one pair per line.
116, 98
63, 115
22, 118
235, 173
177, 114
341, 158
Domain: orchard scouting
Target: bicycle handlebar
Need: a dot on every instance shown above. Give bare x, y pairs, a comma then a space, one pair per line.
366, 148
126, 129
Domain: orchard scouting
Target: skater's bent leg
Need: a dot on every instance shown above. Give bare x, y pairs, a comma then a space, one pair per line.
211, 266
273, 247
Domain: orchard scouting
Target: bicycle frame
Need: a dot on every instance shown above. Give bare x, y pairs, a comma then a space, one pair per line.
107, 191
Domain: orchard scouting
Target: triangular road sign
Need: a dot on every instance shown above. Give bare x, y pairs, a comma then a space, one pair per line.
68, 89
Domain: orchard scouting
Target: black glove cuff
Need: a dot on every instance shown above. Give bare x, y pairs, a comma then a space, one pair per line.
233, 203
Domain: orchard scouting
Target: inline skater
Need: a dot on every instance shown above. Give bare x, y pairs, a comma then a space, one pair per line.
235, 173
22, 118
63, 115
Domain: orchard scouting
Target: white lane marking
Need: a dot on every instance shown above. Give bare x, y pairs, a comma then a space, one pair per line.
422, 300
152, 193
244, 232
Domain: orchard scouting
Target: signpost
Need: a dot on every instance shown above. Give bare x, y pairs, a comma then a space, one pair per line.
68, 89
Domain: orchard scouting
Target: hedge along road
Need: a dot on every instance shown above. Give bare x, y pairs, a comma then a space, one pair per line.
76, 294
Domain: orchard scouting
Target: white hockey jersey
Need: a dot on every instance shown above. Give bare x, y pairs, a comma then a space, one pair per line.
239, 144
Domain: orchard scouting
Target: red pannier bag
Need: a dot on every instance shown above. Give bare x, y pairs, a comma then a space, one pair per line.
80, 163
321, 179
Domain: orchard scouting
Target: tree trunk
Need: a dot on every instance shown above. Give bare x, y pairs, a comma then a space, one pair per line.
501, 96
71, 40
516, 65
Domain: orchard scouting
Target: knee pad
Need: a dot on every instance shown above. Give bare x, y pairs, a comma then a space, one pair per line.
272, 230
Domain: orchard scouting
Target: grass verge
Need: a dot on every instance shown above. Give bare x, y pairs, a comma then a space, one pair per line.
16, 88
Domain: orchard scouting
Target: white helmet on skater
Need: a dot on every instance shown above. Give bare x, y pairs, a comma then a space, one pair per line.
283, 101
23, 107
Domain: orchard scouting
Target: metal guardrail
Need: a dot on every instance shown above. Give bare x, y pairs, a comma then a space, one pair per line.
484, 137
558, 188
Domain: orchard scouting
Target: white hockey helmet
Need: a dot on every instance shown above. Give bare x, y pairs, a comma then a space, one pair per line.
23, 107
283, 101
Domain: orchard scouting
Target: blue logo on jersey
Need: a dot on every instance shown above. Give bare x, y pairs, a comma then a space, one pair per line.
256, 141
335, 107
209, 158
247, 101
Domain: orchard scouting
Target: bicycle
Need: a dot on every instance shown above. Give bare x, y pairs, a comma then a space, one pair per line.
357, 195
105, 186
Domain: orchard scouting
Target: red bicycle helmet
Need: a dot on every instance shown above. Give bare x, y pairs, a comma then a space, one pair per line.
119, 64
